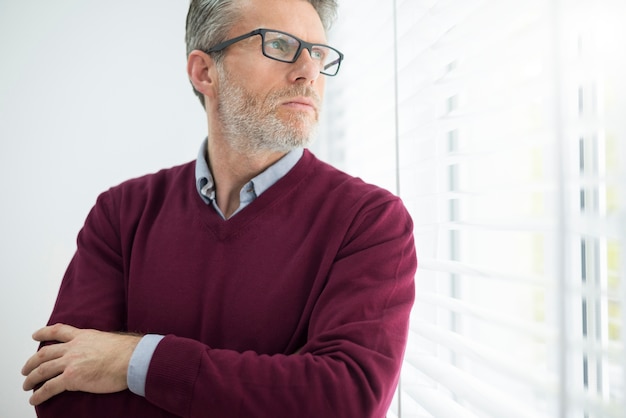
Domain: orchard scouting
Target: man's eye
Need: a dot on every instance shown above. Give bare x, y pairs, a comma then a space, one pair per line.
277, 45
318, 54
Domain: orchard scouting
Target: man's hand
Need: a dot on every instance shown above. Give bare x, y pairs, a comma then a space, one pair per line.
85, 360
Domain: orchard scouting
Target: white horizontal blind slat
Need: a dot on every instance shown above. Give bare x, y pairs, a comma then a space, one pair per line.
531, 328
612, 350
438, 405
496, 360
496, 402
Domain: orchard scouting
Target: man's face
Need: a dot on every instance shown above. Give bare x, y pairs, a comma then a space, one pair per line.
254, 122
265, 104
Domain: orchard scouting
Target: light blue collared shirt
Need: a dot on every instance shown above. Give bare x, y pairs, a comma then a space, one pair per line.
141, 357
252, 189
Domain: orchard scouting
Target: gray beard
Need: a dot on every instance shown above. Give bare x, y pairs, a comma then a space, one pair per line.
252, 128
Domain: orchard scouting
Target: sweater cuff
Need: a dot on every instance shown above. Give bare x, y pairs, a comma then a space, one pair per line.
140, 362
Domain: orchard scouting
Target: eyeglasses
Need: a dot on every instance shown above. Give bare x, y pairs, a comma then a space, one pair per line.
281, 46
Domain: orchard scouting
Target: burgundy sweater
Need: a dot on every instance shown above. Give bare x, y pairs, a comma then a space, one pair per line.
298, 306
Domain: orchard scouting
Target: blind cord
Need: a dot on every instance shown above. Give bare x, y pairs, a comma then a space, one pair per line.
562, 269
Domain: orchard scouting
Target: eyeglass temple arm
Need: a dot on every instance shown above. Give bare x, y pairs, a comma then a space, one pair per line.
330, 64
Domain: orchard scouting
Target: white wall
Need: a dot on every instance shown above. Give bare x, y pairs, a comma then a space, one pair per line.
91, 93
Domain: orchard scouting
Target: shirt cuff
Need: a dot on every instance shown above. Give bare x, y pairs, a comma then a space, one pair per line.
140, 362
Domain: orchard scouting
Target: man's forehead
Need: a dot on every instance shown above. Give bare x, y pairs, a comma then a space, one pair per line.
297, 17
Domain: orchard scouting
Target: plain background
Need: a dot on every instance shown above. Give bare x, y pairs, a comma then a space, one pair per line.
91, 93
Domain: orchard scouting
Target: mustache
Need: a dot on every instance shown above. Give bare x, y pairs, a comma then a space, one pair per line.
295, 91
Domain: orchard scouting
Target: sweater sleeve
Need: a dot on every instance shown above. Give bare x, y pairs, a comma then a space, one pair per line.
92, 295
350, 364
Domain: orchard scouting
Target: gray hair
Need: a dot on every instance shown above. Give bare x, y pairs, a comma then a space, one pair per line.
208, 23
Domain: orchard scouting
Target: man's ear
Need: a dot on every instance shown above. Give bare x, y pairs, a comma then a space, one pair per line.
202, 72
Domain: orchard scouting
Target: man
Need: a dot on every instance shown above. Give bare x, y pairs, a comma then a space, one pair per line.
256, 281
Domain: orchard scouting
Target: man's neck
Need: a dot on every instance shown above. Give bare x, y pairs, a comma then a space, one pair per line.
232, 169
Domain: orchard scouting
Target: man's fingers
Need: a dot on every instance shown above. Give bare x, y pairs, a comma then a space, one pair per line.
45, 371
49, 389
57, 332
45, 354
83, 360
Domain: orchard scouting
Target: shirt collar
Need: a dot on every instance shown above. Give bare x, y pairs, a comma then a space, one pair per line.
206, 186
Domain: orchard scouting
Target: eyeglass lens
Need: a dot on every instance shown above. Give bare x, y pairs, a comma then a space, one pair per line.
283, 47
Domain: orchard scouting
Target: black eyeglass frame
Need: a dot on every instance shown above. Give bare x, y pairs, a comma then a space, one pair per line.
302, 45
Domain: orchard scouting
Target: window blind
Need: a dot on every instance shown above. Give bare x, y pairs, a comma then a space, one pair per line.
500, 124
